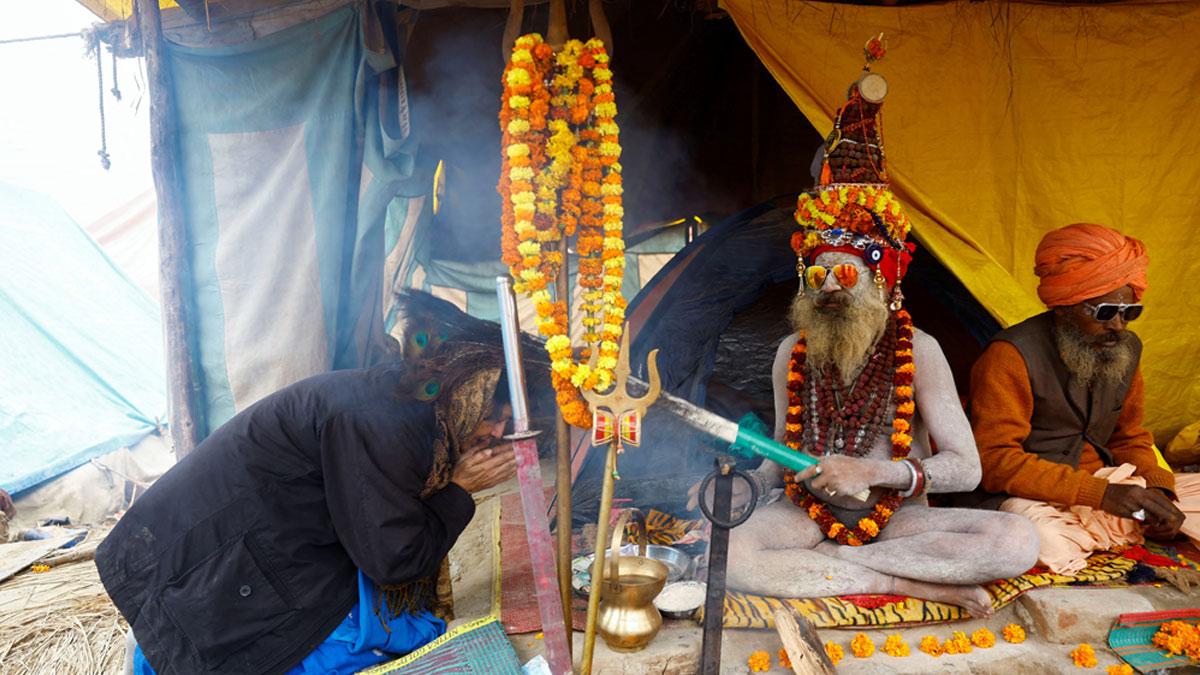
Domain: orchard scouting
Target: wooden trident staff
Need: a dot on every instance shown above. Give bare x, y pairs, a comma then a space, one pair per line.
616, 419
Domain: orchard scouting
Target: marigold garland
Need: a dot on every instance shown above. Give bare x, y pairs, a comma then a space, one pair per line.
560, 177
819, 210
869, 527
1084, 656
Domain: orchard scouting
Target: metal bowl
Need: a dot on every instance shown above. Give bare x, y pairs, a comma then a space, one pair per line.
683, 612
679, 564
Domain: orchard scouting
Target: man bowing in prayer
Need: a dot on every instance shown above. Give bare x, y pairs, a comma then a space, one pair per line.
309, 533
1057, 403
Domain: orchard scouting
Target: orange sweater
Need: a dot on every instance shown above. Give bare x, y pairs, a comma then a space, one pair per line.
1001, 409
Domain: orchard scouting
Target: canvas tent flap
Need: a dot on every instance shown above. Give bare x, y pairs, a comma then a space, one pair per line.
80, 351
288, 172
1002, 124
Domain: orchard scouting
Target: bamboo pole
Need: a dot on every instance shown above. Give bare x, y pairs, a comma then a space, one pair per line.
600, 27
562, 483
606, 497
512, 27
556, 33
172, 234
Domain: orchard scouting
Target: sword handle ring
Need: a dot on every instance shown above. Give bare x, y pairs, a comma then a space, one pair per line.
744, 515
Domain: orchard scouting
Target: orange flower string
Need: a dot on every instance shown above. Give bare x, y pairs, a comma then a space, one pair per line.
560, 176
866, 528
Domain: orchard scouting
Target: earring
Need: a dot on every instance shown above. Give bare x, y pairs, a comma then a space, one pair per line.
879, 280
897, 298
800, 273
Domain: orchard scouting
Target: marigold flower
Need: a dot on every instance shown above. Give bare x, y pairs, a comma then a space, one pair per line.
862, 646
835, 652
931, 646
983, 638
1013, 633
1120, 669
1084, 656
959, 644
868, 526
784, 661
895, 646
759, 662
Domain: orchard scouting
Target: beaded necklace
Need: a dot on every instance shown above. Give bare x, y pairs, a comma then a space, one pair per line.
856, 417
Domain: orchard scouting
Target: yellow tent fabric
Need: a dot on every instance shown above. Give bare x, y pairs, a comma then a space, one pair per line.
116, 10
1005, 120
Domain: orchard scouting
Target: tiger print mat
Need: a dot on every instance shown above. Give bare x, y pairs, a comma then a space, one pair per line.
745, 610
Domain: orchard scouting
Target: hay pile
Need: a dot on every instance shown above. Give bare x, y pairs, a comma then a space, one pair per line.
61, 621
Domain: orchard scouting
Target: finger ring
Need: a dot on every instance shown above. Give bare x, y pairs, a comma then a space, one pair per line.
817, 472
1140, 514
831, 493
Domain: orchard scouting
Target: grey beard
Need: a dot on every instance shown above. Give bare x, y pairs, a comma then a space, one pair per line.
842, 337
1106, 366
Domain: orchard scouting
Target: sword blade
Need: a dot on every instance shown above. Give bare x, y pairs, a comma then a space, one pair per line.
533, 495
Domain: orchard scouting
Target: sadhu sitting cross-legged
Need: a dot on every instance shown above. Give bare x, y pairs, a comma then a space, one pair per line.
859, 387
1057, 403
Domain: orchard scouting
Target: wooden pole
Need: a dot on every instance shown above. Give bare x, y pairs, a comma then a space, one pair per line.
600, 27
172, 234
562, 484
606, 497
556, 32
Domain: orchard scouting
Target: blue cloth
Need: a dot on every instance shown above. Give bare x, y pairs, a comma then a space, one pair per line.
360, 640
80, 346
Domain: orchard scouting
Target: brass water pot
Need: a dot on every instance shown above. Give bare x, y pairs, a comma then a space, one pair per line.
628, 619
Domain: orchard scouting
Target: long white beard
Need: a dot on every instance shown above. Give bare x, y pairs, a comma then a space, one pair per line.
842, 337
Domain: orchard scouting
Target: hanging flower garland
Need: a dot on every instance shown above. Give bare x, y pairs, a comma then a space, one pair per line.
868, 527
561, 176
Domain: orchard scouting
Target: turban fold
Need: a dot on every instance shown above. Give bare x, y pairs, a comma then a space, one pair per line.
1083, 261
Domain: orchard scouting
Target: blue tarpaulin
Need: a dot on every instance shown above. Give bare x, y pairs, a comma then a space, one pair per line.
81, 360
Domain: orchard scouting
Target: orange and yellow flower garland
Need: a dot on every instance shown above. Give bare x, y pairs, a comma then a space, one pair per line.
868, 527
561, 176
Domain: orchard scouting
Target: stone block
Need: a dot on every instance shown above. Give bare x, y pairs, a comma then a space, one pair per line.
1074, 615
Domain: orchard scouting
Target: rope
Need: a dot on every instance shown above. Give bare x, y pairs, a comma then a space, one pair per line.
39, 37
103, 151
116, 90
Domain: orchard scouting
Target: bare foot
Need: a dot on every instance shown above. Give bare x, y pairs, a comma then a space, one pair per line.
970, 597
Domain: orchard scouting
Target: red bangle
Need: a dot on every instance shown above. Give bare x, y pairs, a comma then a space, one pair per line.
919, 488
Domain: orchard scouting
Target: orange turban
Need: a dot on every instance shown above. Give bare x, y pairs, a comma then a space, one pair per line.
1083, 261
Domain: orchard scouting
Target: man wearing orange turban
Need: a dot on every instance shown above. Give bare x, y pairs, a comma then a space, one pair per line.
1057, 403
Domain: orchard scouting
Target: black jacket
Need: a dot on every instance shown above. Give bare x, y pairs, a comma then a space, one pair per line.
243, 557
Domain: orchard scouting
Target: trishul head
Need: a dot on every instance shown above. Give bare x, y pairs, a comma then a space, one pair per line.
617, 414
